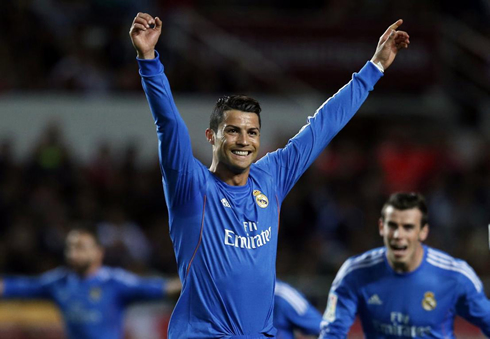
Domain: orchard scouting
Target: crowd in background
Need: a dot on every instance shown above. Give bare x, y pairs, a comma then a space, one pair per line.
83, 46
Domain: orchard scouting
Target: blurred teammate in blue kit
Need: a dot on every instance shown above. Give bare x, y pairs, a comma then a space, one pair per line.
292, 312
405, 289
91, 297
224, 220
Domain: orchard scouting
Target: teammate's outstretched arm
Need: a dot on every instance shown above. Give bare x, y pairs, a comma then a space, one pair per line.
390, 43
144, 33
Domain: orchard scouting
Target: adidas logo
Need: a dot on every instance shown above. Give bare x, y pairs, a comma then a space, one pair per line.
225, 203
374, 300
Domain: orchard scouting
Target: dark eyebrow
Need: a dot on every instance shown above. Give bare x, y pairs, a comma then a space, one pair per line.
237, 127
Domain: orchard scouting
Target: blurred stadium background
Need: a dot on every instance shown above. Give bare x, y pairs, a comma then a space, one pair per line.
78, 144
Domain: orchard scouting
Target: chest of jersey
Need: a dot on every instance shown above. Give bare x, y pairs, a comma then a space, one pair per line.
240, 226
85, 302
410, 307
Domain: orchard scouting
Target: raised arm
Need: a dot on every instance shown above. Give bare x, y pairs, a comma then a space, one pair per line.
145, 32
335, 113
175, 153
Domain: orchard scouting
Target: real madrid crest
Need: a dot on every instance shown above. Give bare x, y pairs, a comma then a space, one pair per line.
429, 302
261, 199
95, 294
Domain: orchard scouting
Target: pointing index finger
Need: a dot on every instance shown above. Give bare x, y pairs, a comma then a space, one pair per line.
396, 24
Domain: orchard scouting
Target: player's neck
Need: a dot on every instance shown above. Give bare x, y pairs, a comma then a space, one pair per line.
90, 271
229, 177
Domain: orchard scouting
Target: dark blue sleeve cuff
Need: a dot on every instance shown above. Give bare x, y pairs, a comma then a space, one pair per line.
150, 66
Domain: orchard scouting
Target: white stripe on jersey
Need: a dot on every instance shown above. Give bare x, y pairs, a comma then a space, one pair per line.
289, 294
367, 259
320, 108
447, 262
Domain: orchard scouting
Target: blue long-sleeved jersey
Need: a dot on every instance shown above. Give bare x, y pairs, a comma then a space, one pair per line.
419, 304
92, 308
293, 312
225, 237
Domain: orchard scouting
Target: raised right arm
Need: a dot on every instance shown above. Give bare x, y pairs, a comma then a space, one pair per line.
175, 153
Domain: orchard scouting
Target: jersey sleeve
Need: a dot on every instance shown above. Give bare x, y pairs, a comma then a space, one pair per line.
30, 287
290, 162
177, 162
301, 314
341, 307
472, 304
132, 288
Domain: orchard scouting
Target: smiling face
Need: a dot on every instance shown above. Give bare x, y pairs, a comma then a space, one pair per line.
235, 146
403, 233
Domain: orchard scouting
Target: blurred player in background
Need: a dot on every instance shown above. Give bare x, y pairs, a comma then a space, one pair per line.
91, 297
224, 220
405, 289
292, 312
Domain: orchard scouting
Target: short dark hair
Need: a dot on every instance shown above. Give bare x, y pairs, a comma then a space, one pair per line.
405, 201
233, 102
87, 231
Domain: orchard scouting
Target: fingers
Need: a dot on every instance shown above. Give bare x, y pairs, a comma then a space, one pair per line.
143, 21
395, 25
389, 33
158, 23
401, 39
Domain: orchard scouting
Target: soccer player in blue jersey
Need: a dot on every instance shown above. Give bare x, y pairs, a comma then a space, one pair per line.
224, 220
292, 312
91, 297
405, 289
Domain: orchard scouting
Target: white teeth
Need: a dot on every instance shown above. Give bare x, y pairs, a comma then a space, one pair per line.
240, 152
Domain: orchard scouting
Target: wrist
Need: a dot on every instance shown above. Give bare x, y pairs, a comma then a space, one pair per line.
146, 55
378, 64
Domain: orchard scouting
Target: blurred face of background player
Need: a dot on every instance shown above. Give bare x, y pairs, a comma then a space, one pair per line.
83, 254
403, 233
235, 143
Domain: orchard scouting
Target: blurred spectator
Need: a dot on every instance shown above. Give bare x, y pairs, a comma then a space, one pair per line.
124, 242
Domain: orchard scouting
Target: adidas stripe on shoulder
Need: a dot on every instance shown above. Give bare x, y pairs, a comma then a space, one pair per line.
367, 259
446, 262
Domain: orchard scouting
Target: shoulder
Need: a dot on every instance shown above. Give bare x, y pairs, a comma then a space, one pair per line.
54, 275
291, 296
360, 264
262, 166
118, 276
454, 267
